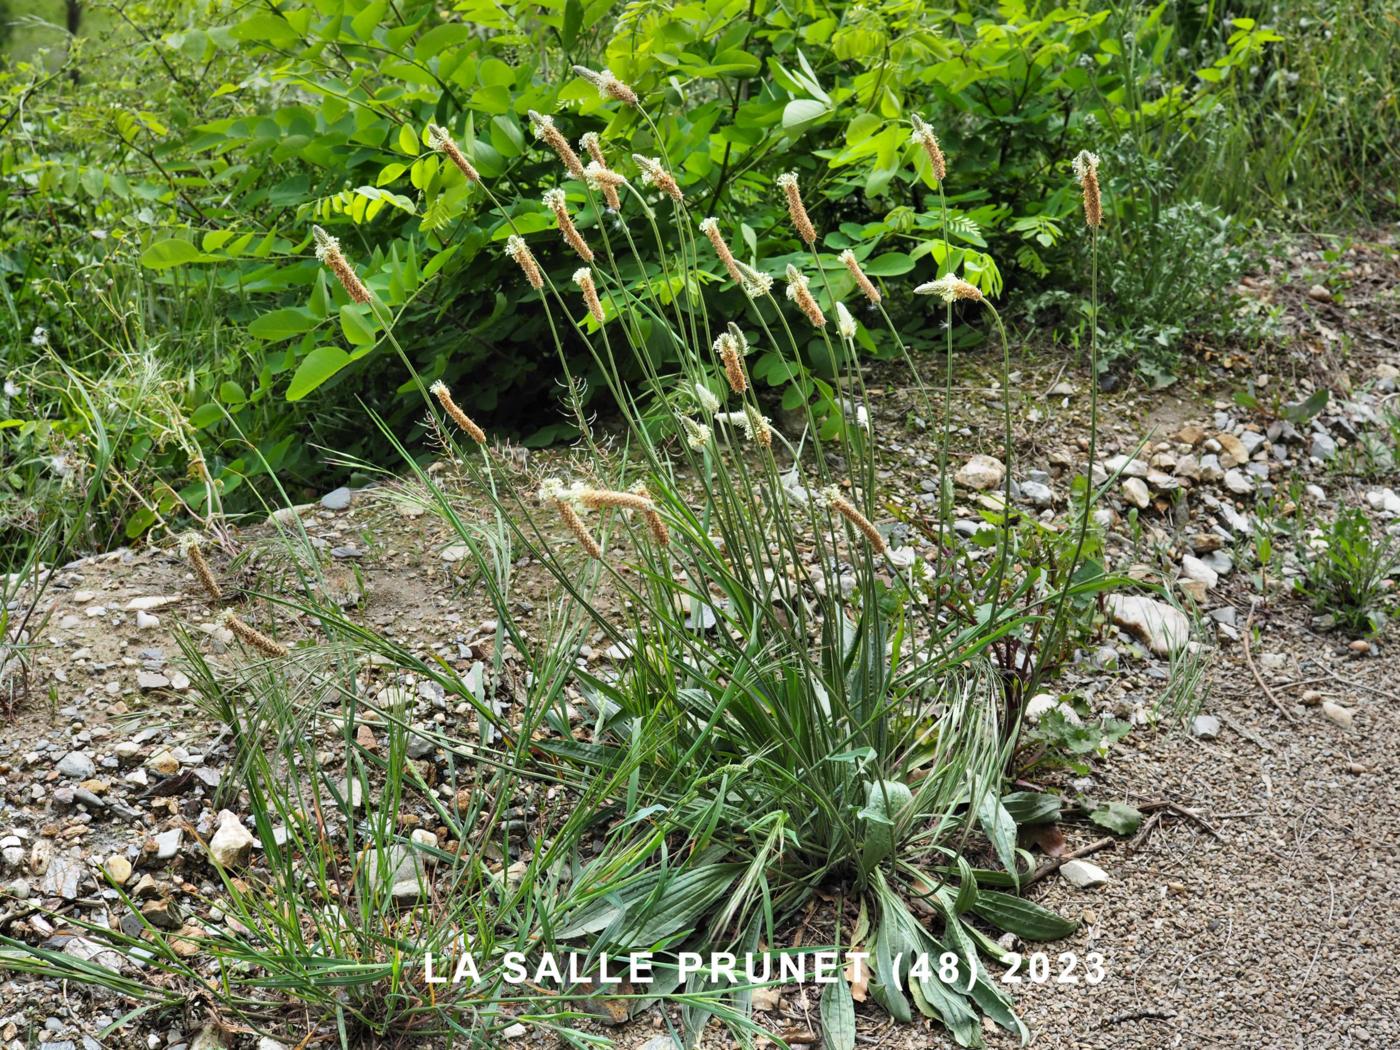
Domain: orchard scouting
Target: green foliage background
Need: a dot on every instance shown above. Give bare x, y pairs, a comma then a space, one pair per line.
161, 173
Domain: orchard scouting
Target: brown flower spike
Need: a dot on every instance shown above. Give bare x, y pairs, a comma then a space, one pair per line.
599, 175
710, 228
797, 211
1086, 170
518, 250
923, 135
556, 202
552, 491
444, 396
251, 636
608, 84
863, 282
442, 142
189, 546
583, 277
552, 137
799, 293
328, 251
848, 510
730, 348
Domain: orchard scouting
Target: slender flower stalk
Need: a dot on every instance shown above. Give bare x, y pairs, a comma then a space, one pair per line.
553, 492
251, 636
730, 347
190, 547
556, 202
608, 85
848, 510
863, 282
799, 292
655, 175
328, 251
518, 250
439, 390
583, 277
442, 142
599, 176
923, 136
797, 211
551, 136
1086, 170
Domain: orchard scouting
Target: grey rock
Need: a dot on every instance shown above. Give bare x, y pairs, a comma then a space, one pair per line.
1207, 727
1322, 447
151, 680
77, 765
981, 473
1082, 874
1135, 491
168, 843
1164, 628
1238, 483
1210, 468
339, 499
1037, 493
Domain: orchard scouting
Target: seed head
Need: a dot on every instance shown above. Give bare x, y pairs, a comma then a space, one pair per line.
731, 355
655, 522
787, 182
655, 175
755, 283
705, 398
864, 283
1086, 170
845, 323
442, 142
518, 250
444, 396
923, 135
608, 84
950, 287
710, 228
328, 251
697, 435
757, 427
251, 636
833, 498
799, 293
566, 502
599, 175
583, 277
190, 548
546, 132
556, 202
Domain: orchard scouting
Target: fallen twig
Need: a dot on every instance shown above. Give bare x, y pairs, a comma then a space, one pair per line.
1249, 659
1053, 864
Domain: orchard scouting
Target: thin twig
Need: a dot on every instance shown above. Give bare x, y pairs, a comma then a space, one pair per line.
1249, 659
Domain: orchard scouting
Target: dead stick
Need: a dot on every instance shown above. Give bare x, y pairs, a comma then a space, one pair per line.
1249, 659
1053, 864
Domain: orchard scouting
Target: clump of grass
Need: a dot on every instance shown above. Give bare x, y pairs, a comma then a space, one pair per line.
1347, 570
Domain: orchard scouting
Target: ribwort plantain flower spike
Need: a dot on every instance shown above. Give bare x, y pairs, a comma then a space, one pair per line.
950, 288
583, 277
564, 500
556, 202
551, 136
517, 249
251, 636
328, 251
608, 85
845, 323
1086, 170
801, 294
797, 211
923, 136
444, 396
190, 548
730, 347
654, 174
442, 142
833, 498
863, 282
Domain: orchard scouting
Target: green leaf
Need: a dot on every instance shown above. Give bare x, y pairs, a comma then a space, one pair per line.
573, 22
1022, 917
173, 252
838, 1013
890, 264
317, 367
408, 140
1303, 411
282, 324
1032, 807
998, 826
1117, 817
802, 111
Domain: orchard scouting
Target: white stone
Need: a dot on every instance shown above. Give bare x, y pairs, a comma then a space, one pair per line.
981, 473
1132, 468
1195, 569
1135, 489
1337, 713
151, 601
1082, 874
1207, 727
232, 843
146, 621
1165, 629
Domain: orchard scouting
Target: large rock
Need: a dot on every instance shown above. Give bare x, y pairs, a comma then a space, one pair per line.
77, 765
231, 844
1165, 629
981, 473
1135, 490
